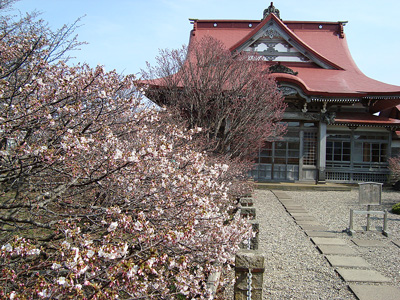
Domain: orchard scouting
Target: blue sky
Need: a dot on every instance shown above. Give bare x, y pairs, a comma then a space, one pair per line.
124, 34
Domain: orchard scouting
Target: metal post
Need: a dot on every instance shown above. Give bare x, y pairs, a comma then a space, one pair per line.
384, 231
351, 222
368, 213
368, 223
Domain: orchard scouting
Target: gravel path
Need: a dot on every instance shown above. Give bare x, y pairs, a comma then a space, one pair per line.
295, 269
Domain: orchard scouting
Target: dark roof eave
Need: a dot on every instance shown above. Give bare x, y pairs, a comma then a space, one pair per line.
365, 119
365, 124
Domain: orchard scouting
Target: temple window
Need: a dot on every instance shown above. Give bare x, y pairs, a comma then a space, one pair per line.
338, 151
310, 148
371, 148
374, 152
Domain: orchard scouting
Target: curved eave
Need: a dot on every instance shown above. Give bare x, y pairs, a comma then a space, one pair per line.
317, 94
341, 86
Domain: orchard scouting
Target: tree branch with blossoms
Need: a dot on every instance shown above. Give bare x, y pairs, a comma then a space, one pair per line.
101, 197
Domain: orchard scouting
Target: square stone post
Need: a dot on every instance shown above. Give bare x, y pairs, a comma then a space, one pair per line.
252, 243
248, 212
256, 229
249, 272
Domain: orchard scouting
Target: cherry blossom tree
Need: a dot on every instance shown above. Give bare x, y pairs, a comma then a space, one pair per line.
101, 197
394, 167
231, 96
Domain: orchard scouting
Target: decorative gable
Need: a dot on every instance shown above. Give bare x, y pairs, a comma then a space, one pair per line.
274, 41
270, 44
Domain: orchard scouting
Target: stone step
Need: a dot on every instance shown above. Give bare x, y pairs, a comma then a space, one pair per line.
327, 234
369, 243
294, 207
288, 202
357, 275
308, 227
308, 222
374, 292
281, 194
336, 249
328, 241
282, 186
300, 210
347, 261
300, 214
304, 218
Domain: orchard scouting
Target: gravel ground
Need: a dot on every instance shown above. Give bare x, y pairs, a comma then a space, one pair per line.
295, 269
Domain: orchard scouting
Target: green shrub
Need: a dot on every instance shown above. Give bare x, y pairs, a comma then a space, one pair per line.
396, 209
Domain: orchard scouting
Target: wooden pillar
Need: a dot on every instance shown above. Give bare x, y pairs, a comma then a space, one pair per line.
301, 154
352, 151
389, 146
321, 164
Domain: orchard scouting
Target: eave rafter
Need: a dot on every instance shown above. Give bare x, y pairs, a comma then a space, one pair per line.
347, 100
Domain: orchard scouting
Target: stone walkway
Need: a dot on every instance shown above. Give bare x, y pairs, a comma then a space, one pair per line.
365, 282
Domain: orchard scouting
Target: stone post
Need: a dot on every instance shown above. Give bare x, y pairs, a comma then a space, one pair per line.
212, 283
248, 212
252, 243
256, 229
245, 261
246, 201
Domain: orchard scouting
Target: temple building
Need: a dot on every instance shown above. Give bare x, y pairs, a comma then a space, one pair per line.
341, 124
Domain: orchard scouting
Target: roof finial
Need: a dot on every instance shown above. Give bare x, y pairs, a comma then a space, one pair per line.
271, 10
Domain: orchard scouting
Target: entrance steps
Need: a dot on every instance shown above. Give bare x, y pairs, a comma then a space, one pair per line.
296, 186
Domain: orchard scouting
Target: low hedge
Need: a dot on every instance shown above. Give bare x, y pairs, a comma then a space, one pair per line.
396, 209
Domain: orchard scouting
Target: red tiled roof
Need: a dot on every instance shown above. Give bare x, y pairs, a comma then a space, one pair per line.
325, 40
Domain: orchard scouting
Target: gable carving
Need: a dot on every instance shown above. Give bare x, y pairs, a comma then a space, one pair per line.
288, 91
271, 33
274, 41
273, 46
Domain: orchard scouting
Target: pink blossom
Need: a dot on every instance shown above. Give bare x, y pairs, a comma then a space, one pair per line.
112, 226
61, 281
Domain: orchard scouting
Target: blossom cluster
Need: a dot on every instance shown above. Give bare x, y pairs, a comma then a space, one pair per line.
101, 197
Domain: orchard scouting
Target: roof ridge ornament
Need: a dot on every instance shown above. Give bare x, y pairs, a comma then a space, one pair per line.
271, 10
278, 68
